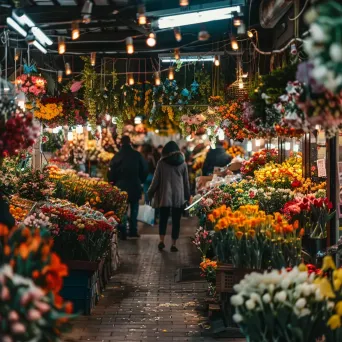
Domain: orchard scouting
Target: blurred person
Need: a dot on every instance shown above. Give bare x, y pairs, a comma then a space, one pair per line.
128, 171
158, 152
148, 155
170, 190
216, 157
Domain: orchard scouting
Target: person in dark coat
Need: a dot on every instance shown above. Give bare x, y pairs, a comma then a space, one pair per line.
216, 157
170, 190
128, 171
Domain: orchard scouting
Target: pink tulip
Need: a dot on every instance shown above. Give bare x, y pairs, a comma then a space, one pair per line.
5, 294
18, 328
33, 315
13, 316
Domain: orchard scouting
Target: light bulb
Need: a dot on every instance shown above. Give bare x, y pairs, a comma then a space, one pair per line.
17, 55
130, 79
178, 35
67, 69
75, 31
129, 45
237, 21
59, 76
250, 34
177, 54
141, 15
61, 45
217, 61
151, 40
157, 79
93, 58
235, 45
171, 73
137, 120
183, 2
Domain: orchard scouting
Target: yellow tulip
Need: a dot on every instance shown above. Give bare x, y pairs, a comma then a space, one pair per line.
302, 268
337, 284
328, 263
338, 308
334, 322
338, 274
325, 287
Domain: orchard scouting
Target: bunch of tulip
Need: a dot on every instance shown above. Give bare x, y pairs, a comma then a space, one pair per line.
79, 233
288, 174
282, 306
312, 212
258, 160
202, 240
235, 151
248, 238
208, 268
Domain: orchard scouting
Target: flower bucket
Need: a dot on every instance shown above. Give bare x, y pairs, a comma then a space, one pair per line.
81, 285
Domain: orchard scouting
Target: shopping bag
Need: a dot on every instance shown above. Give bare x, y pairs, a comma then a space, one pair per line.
146, 214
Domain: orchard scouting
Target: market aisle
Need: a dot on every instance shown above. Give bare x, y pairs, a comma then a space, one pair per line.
143, 302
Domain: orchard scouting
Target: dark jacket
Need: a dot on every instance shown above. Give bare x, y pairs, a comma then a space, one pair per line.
128, 171
215, 158
6, 217
170, 185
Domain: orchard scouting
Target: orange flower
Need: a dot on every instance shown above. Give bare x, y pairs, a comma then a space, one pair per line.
24, 251
211, 218
296, 225
216, 213
251, 232
69, 307
7, 250
3, 230
239, 234
35, 274
302, 231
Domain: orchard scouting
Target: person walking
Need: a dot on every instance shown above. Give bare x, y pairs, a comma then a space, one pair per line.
170, 190
128, 171
147, 153
216, 157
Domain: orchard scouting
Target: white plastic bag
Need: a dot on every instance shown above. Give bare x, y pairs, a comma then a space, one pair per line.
146, 214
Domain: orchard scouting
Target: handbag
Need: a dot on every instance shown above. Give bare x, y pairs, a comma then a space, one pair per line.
146, 214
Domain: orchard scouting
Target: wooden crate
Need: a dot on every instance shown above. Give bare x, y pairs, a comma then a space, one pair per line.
227, 276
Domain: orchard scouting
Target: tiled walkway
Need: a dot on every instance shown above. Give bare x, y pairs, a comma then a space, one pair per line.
143, 302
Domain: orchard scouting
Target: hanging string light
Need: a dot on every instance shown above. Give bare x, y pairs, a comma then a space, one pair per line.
67, 69
178, 34
217, 61
129, 45
183, 3
17, 55
93, 58
250, 34
130, 79
61, 45
157, 79
75, 31
177, 54
171, 73
151, 40
59, 76
141, 15
234, 43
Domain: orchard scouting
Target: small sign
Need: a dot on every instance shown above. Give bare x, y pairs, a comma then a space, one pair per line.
322, 171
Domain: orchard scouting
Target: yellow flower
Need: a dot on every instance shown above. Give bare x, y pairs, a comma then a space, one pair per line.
337, 284
302, 268
328, 263
338, 274
334, 322
325, 287
338, 308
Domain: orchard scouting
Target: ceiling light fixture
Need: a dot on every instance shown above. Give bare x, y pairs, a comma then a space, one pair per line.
178, 35
151, 40
129, 45
61, 45
171, 74
141, 15
157, 79
67, 69
217, 61
93, 58
177, 54
22, 18
183, 3
130, 79
15, 26
41, 36
39, 46
196, 17
75, 31
59, 76
86, 11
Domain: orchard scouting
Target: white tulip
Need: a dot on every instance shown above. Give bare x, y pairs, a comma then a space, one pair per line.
318, 34
266, 298
319, 73
310, 15
237, 318
285, 283
335, 52
236, 300
250, 304
300, 304
318, 295
281, 296
254, 296
304, 312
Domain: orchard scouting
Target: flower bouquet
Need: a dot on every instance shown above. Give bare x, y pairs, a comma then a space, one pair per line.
32, 85
48, 109
202, 241
258, 160
272, 200
208, 268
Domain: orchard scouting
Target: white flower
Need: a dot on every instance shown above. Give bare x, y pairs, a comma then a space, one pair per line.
300, 304
306, 290
319, 73
318, 295
304, 312
281, 296
266, 298
250, 304
317, 33
236, 300
310, 15
330, 305
237, 318
285, 283
256, 297
336, 52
